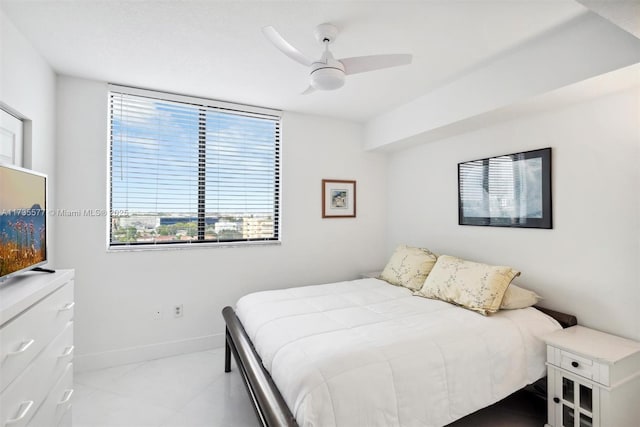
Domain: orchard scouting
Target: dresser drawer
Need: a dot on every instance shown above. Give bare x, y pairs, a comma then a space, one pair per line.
20, 400
23, 337
57, 403
66, 420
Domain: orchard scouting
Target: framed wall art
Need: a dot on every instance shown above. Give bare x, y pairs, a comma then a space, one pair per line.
338, 198
513, 190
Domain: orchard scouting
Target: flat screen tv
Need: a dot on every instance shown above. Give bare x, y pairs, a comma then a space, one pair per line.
23, 220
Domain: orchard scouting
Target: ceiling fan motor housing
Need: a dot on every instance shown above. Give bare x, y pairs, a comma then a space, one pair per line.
327, 76
327, 73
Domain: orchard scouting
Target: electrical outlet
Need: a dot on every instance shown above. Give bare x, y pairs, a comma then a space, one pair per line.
157, 313
177, 310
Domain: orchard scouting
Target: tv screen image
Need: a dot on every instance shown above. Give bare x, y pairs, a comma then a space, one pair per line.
23, 220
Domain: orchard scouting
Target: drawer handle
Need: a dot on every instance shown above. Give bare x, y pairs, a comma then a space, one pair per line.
23, 347
68, 306
575, 364
26, 406
66, 397
67, 351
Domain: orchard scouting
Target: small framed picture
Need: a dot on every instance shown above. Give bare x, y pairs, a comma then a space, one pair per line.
338, 198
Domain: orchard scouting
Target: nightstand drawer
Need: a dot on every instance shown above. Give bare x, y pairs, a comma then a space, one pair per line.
578, 365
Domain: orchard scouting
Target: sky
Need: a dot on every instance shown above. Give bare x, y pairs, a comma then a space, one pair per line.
155, 158
20, 190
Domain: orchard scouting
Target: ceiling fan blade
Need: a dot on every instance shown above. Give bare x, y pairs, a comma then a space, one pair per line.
278, 41
309, 90
362, 64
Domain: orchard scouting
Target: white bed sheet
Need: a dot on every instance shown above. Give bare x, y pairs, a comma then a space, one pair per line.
366, 353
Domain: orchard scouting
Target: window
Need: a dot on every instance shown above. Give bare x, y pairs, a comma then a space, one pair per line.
185, 170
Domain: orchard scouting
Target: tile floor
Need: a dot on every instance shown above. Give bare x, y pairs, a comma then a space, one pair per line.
182, 391
192, 390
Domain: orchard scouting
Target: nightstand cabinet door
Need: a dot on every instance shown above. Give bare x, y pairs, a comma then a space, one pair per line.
574, 403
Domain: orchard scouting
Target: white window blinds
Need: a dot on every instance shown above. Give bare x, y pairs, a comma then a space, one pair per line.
187, 170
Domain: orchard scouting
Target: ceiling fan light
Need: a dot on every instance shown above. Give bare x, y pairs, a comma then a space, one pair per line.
327, 78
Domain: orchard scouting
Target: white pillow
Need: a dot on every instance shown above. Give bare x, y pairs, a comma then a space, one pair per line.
517, 297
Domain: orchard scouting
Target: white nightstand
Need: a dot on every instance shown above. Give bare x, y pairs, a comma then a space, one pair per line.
593, 379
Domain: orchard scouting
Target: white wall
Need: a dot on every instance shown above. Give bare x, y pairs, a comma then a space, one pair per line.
116, 293
589, 264
28, 88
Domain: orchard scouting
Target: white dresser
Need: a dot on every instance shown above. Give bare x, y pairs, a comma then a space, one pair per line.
593, 379
36, 349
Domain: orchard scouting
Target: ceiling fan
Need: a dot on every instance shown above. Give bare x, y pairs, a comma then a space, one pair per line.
328, 73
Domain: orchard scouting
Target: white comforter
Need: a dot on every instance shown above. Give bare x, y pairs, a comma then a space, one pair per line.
366, 353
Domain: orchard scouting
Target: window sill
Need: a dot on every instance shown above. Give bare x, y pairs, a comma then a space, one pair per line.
189, 246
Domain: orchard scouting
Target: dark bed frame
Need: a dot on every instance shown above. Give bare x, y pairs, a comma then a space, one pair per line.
270, 407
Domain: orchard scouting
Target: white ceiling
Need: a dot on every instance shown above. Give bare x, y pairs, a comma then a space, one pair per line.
215, 49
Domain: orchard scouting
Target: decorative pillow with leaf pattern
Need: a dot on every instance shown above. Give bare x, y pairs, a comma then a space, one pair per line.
476, 286
409, 267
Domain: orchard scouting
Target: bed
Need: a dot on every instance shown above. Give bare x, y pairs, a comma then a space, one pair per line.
364, 352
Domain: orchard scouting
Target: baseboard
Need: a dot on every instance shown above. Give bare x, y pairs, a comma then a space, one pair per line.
108, 359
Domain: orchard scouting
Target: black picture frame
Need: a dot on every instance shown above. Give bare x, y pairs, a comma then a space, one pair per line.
513, 190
